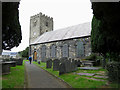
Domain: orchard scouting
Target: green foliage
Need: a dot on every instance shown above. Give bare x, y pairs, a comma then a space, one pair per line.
11, 29
105, 35
24, 53
113, 69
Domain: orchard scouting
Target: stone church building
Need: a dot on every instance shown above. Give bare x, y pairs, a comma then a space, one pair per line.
44, 42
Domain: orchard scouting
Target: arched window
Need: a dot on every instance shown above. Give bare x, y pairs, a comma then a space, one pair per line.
53, 51
65, 50
79, 49
43, 52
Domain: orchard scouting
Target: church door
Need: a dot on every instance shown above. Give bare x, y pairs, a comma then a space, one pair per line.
35, 56
80, 49
43, 53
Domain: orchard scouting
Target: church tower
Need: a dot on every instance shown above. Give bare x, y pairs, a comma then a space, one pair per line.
39, 24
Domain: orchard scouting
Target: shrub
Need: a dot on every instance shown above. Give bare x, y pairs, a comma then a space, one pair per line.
113, 71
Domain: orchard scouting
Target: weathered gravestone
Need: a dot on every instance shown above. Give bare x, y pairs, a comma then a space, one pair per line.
73, 65
68, 65
56, 63
49, 63
5, 68
38, 62
62, 69
63, 59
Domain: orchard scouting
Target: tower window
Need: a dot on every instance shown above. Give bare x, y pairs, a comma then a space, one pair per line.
47, 24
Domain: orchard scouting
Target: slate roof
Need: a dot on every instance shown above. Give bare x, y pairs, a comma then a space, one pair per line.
76, 31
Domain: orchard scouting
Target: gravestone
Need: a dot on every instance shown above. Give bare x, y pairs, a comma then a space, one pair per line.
49, 63
73, 65
63, 59
5, 68
56, 63
19, 61
62, 69
67, 66
79, 63
38, 62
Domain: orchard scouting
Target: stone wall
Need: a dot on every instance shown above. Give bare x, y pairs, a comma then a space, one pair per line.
59, 45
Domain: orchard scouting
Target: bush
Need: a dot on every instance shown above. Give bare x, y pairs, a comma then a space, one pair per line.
113, 71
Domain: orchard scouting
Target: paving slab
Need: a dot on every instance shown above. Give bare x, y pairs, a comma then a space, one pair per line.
90, 68
86, 74
39, 78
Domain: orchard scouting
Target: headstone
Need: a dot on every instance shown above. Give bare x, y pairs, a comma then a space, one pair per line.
5, 68
62, 69
67, 66
79, 63
19, 61
73, 65
63, 59
49, 63
38, 62
56, 63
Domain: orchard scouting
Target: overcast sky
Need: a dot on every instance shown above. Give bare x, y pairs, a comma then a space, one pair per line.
64, 12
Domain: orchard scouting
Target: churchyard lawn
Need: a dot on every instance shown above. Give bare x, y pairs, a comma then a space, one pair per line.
15, 79
98, 80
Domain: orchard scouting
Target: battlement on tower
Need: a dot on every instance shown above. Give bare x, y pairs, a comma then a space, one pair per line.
41, 15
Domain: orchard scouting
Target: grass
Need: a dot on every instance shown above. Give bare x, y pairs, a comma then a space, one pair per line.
15, 79
77, 81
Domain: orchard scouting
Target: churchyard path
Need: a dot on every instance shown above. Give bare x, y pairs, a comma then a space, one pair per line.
38, 78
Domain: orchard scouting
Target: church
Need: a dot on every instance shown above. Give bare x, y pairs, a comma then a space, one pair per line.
71, 42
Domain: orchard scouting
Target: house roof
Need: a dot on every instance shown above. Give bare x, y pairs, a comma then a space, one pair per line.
76, 31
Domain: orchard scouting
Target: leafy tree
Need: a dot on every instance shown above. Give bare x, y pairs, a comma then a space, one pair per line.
105, 35
11, 29
24, 53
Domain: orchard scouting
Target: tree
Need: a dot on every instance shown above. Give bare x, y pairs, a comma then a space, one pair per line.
105, 35
11, 29
25, 53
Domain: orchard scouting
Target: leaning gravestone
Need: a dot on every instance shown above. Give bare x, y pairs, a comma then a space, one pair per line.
49, 63
56, 63
62, 69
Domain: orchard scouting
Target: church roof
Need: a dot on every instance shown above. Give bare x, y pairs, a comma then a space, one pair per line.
76, 31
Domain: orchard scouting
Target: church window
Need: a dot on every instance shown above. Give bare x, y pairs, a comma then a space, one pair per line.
43, 52
79, 49
65, 50
53, 51
47, 24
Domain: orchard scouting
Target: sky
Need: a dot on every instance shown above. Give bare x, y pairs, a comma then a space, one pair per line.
65, 13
